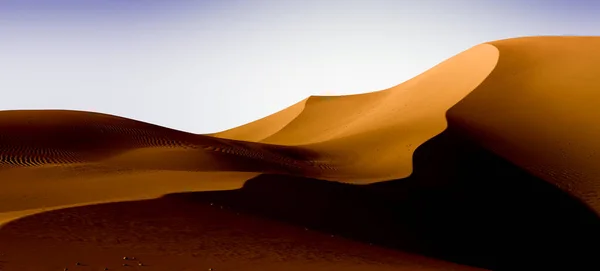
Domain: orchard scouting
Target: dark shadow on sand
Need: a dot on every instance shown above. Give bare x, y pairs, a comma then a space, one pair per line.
462, 204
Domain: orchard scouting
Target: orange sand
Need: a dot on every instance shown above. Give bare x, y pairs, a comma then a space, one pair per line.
515, 97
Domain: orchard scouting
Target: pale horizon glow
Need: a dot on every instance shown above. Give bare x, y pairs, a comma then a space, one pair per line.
207, 66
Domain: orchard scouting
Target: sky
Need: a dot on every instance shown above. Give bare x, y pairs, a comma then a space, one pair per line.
206, 66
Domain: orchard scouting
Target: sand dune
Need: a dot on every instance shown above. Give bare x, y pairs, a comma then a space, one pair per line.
511, 119
544, 115
397, 119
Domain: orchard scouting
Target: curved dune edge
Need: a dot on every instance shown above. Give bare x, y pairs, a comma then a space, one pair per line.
35, 190
326, 118
371, 137
382, 143
544, 115
258, 130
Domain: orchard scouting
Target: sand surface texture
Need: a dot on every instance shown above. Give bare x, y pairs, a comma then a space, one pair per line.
357, 182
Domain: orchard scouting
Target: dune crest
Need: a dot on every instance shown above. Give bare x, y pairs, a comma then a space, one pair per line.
383, 127
371, 137
258, 130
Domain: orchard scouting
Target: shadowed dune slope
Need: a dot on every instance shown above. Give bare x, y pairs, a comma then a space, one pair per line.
181, 232
539, 110
462, 203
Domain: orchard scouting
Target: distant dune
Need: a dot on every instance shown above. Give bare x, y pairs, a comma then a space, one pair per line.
259, 130
487, 160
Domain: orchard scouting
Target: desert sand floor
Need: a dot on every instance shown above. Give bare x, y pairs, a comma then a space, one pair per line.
89, 188
178, 234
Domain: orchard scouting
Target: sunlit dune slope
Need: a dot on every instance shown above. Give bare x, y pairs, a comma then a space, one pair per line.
370, 137
539, 109
260, 129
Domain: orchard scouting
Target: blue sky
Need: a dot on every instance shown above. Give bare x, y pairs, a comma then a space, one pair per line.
205, 66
